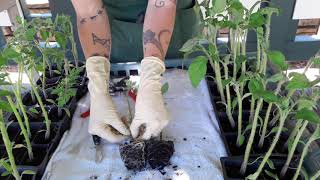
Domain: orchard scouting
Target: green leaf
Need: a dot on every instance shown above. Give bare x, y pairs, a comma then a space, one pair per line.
30, 33
61, 39
30, 172
51, 100
33, 110
189, 45
268, 96
298, 81
316, 61
165, 88
241, 139
226, 82
3, 60
6, 173
274, 176
256, 20
219, 6
275, 78
5, 93
278, 59
5, 106
17, 146
255, 85
246, 95
234, 103
253, 176
19, 19
306, 103
308, 115
10, 53
197, 70
248, 127
44, 34
67, 111
4, 163
270, 164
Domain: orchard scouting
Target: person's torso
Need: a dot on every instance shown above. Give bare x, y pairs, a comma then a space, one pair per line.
126, 20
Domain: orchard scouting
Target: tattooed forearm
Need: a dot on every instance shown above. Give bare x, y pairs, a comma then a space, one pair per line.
104, 42
149, 37
94, 17
161, 3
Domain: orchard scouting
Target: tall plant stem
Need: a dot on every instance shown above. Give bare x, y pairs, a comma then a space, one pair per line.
234, 49
283, 117
22, 127
252, 106
305, 152
219, 81
73, 46
293, 148
216, 65
8, 146
43, 77
251, 138
258, 53
317, 175
243, 53
293, 132
21, 106
239, 97
44, 112
229, 113
267, 116
263, 67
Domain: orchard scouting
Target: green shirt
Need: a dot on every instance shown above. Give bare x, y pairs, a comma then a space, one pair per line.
127, 32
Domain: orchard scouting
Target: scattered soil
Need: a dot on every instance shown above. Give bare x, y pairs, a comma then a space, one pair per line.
136, 155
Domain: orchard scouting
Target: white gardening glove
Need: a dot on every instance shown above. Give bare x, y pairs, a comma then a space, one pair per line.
150, 111
104, 119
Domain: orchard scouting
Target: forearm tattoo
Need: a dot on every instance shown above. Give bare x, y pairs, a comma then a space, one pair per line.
94, 17
161, 3
149, 37
104, 42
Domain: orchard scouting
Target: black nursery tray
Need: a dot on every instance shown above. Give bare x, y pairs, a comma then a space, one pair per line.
231, 168
60, 122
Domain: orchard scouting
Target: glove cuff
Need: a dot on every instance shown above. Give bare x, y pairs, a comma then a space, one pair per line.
153, 65
98, 72
98, 64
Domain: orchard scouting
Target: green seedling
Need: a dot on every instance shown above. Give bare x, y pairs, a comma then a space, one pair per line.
10, 54
15, 108
285, 107
12, 169
314, 137
66, 88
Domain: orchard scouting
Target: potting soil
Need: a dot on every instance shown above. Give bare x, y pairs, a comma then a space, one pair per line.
193, 129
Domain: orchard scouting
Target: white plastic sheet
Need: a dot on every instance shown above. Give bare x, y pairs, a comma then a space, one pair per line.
193, 128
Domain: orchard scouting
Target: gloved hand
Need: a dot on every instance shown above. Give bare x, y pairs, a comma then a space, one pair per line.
150, 111
104, 119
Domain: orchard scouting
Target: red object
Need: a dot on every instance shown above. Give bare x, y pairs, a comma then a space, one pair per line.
133, 95
85, 114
